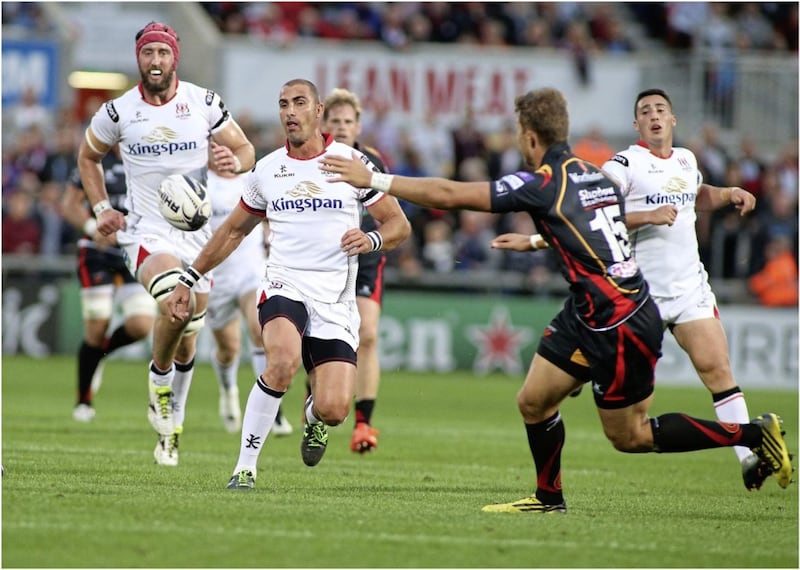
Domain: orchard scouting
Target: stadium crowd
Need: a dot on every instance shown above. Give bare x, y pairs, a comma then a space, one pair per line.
40, 146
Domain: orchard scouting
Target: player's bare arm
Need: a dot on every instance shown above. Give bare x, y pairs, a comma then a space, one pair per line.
393, 226
519, 242
231, 151
227, 238
90, 156
712, 197
429, 192
663, 215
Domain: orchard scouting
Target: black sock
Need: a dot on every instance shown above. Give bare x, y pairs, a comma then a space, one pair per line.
546, 440
364, 410
679, 432
89, 358
118, 338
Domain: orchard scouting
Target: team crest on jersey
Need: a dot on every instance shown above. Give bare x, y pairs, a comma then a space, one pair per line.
112, 111
182, 110
684, 164
305, 189
160, 134
283, 172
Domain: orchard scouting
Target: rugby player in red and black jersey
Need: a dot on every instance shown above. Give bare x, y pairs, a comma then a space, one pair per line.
609, 331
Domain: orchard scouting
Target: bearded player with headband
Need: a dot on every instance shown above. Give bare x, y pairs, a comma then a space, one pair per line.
163, 126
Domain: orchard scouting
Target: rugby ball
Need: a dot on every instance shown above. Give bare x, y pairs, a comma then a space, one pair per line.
184, 202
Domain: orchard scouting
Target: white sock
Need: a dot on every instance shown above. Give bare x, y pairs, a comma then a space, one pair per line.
259, 361
180, 387
227, 374
164, 379
310, 417
733, 409
259, 416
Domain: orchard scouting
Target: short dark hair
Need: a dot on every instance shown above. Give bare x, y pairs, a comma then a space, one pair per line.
544, 111
309, 84
647, 93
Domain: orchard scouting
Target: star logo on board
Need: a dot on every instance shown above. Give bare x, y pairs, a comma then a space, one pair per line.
498, 343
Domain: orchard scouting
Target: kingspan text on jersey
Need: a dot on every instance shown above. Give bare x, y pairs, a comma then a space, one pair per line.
303, 204
674, 199
139, 149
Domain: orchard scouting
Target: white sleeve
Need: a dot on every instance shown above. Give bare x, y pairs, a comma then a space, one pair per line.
105, 124
218, 116
619, 170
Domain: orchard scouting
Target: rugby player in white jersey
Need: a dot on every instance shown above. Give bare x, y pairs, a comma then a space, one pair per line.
234, 293
663, 187
306, 302
163, 126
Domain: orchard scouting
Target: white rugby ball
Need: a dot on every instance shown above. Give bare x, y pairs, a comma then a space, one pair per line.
184, 202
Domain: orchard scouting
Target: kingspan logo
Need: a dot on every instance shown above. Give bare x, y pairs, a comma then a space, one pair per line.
674, 192
161, 140
304, 196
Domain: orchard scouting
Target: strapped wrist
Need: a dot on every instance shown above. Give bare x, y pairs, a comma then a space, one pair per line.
377, 240
535, 239
101, 207
189, 277
381, 182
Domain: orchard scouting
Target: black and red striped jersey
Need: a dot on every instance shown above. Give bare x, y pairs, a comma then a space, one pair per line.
580, 213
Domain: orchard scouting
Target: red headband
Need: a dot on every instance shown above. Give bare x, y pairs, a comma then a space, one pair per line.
156, 32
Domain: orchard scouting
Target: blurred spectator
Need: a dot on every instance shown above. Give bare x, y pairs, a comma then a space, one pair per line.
776, 284
56, 232
383, 132
751, 166
434, 143
467, 142
536, 265
593, 147
754, 29
684, 19
711, 155
22, 233
503, 154
437, 253
61, 158
471, 241
578, 40
29, 113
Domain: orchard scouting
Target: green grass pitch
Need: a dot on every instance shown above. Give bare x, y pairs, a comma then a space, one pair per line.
78, 495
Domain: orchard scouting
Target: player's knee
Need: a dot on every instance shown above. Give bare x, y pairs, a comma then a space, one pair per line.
281, 368
162, 284
332, 413
629, 441
139, 326
367, 338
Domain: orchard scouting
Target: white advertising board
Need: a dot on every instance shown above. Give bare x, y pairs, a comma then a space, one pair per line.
442, 81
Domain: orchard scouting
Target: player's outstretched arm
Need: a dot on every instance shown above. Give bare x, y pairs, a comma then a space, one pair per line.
663, 215
519, 242
437, 193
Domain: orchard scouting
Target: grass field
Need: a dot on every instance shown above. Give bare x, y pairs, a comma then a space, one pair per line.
77, 495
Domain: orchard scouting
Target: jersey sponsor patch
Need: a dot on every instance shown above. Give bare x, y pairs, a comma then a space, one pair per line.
209, 97
512, 182
621, 159
112, 111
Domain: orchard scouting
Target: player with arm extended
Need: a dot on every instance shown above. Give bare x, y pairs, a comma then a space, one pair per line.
163, 126
342, 119
306, 301
105, 282
234, 294
608, 332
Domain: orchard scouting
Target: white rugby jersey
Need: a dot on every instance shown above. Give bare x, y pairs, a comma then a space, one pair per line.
225, 194
667, 255
307, 218
158, 140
